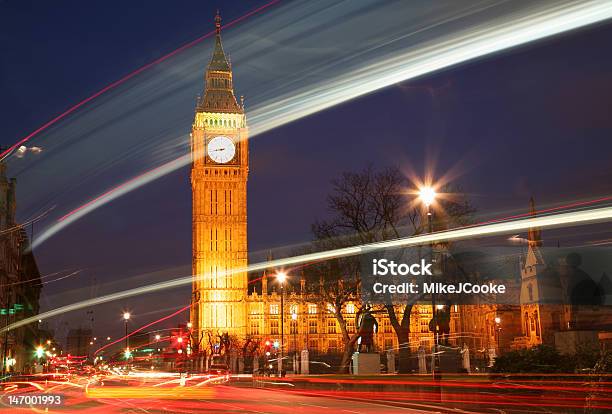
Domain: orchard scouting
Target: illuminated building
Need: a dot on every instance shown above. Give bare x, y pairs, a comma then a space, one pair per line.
221, 303
19, 281
220, 166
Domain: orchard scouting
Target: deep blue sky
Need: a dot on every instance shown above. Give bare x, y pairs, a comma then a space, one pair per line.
532, 121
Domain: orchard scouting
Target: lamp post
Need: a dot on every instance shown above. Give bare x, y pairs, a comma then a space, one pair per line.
497, 331
281, 277
295, 348
427, 195
126, 318
295, 327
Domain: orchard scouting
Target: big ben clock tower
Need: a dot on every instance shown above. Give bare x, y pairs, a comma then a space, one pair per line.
220, 166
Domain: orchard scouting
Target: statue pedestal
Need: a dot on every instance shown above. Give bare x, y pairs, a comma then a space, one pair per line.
366, 363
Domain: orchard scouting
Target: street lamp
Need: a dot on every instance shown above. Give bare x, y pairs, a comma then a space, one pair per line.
281, 277
157, 337
427, 195
497, 331
126, 318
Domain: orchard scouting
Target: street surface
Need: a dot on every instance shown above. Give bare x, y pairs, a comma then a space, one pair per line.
156, 392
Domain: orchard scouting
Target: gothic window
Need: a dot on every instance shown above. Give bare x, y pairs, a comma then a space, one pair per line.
350, 325
424, 326
312, 326
294, 327
312, 308
254, 328
526, 323
537, 324
350, 308
387, 326
274, 309
213, 202
333, 346
228, 202
293, 309
213, 239
273, 327
331, 326
312, 344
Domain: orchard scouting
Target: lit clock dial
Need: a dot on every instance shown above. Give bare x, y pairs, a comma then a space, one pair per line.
221, 149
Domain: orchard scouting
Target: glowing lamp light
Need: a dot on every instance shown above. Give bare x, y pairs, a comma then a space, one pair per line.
276, 344
39, 352
267, 343
189, 325
127, 353
126, 315
497, 319
157, 337
439, 307
179, 339
427, 195
281, 277
180, 351
294, 316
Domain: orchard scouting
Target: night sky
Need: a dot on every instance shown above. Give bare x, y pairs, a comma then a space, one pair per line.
533, 121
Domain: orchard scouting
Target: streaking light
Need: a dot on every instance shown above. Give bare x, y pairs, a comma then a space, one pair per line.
384, 65
574, 218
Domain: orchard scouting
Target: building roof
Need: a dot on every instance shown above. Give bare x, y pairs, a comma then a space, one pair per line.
219, 91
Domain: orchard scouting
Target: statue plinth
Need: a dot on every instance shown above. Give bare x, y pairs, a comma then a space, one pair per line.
366, 363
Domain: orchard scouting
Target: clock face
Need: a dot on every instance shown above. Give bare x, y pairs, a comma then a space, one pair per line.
221, 149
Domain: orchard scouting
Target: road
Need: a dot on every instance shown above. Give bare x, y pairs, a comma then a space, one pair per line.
168, 393
129, 397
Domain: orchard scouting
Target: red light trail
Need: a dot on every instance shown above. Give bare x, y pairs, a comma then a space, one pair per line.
129, 76
143, 327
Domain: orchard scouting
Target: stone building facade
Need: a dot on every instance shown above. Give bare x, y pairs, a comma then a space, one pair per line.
19, 284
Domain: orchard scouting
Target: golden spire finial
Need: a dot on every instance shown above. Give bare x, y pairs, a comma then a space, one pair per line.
218, 22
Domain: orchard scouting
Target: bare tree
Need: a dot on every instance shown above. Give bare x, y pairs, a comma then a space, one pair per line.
366, 207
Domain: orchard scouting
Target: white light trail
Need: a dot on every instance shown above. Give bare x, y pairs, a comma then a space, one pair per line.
573, 218
382, 69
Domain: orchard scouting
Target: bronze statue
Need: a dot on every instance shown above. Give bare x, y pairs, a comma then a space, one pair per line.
367, 326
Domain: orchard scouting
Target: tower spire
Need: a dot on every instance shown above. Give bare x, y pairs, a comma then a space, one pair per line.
218, 23
219, 91
534, 235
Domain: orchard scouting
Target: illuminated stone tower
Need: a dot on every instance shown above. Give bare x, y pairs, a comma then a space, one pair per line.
220, 167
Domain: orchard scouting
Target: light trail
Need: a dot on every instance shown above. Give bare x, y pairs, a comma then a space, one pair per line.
143, 327
574, 218
124, 79
533, 23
